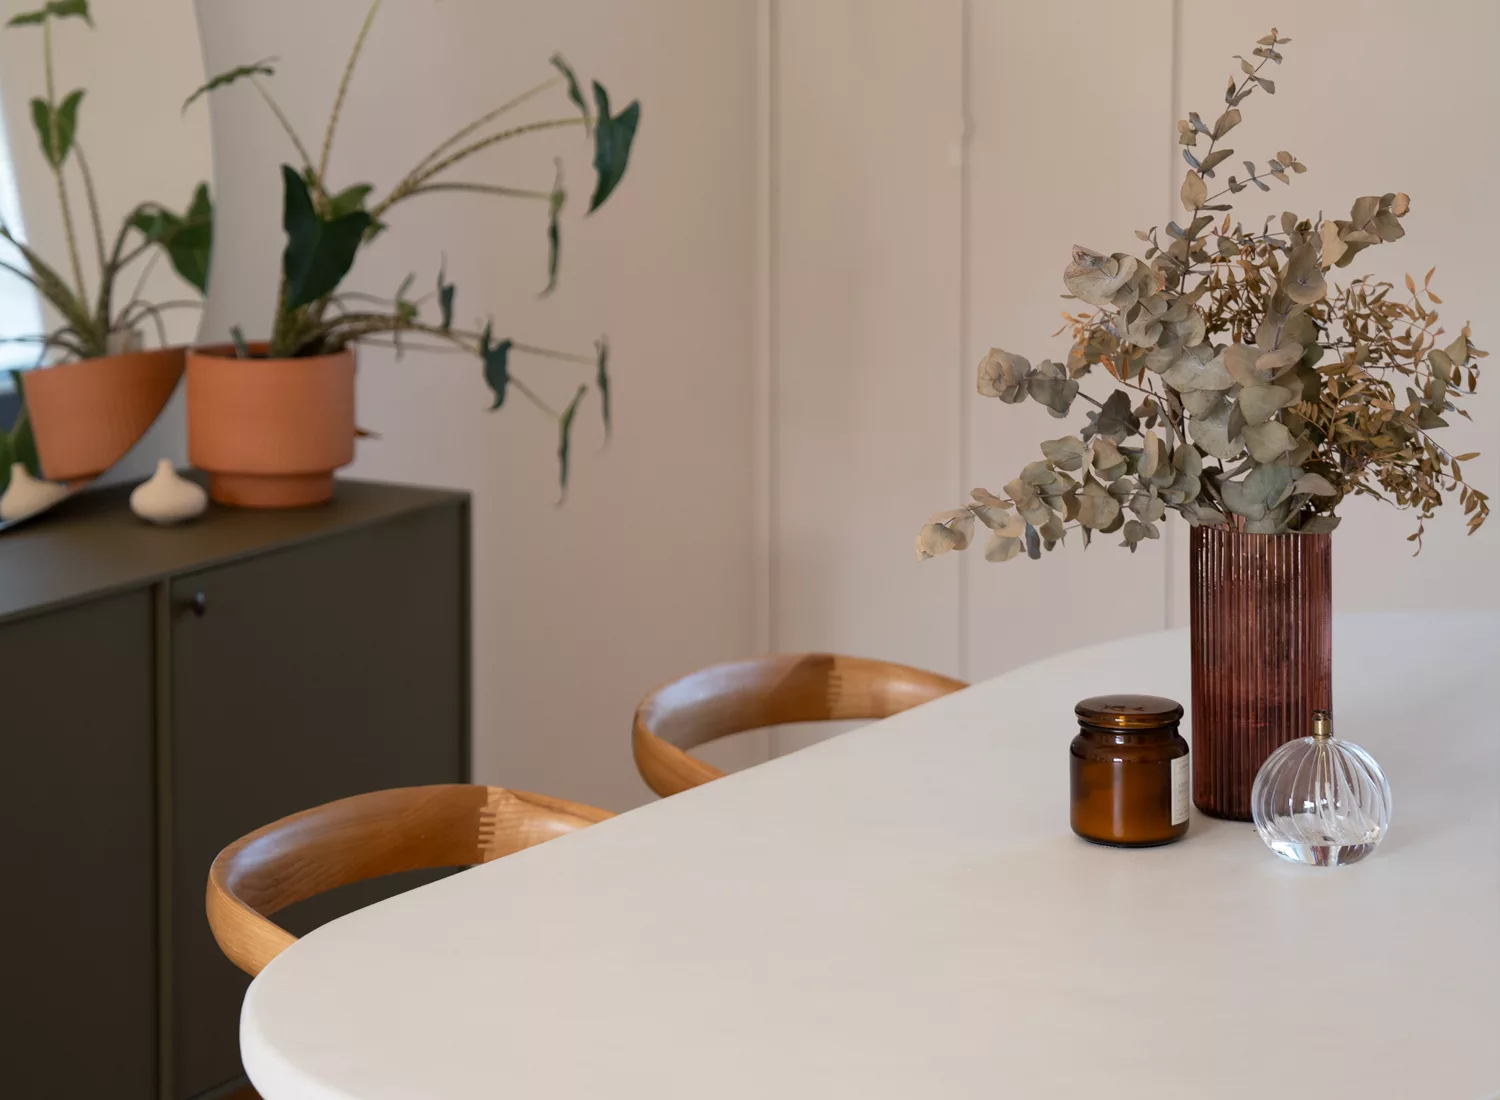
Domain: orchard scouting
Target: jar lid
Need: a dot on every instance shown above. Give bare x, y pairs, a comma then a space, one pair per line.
1128, 712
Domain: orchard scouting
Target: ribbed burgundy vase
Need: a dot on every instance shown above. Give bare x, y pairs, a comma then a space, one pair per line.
1262, 641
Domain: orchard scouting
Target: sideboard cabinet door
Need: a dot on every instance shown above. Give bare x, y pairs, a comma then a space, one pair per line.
78, 915
299, 677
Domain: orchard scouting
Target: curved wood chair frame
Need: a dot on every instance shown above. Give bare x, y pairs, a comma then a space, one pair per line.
766, 691
364, 837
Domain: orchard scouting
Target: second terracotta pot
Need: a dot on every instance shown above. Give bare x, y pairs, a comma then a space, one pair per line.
269, 432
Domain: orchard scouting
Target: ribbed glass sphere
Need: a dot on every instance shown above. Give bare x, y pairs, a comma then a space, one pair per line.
1321, 801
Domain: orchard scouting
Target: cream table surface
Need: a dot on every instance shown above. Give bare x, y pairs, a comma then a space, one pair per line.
902, 912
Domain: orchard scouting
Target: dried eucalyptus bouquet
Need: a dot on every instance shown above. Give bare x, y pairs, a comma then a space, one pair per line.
1252, 388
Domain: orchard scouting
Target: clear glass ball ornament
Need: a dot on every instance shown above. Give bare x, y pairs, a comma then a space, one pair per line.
1321, 801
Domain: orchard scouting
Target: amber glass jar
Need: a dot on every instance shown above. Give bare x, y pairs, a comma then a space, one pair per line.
1130, 771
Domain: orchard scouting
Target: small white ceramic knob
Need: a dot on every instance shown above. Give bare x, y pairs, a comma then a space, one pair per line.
27, 495
167, 497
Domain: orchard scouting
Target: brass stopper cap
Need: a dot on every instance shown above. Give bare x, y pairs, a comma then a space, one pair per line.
1322, 724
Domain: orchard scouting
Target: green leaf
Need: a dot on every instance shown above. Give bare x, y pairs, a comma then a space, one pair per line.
612, 139
445, 291
555, 202
22, 441
496, 365
564, 440
575, 93
239, 72
57, 9
188, 241
55, 129
241, 348
349, 200
319, 251
601, 379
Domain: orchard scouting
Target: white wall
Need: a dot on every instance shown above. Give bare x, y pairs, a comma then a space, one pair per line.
901, 252
645, 573
137, 65
835, 208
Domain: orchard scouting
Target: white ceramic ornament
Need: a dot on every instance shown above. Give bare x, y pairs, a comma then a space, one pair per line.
166, 497
27, 495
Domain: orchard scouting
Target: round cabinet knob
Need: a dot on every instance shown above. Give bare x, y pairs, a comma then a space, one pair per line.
198, 605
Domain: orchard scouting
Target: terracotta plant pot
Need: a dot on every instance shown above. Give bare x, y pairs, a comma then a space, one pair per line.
269, 432
87, 415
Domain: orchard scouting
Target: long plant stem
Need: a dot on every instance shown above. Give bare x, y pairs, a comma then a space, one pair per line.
405, 188
286, 123
140, 283
483, 120
56, 143
548, 353
92, 197
338, 100
481, 188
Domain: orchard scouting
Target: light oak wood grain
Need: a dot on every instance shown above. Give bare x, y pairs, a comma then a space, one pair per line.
364, 837
766, 691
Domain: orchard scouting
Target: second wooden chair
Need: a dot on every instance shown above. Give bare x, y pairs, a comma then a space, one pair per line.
766, 691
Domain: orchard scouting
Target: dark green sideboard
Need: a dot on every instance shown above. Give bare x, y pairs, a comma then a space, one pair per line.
166, 690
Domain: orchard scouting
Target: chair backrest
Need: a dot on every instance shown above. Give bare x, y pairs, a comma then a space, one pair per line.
766, 691
363, 837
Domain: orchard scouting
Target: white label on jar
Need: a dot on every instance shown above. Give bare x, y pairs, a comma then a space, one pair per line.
1179, 790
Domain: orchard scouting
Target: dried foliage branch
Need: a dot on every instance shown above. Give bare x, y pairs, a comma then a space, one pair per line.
1251, 388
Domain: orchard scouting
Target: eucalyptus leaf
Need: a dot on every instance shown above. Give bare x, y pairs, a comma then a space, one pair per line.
944, 531
1319, 525
1315, 485
1005, 376
1066, 453
1259, 403
1052, 389
1198, 369
1002, 547
1303, 282
1115, 420
1096, 508
1267, 442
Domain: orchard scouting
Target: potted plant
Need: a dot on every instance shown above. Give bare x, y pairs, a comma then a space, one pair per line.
104, 390
1254, 391
271, 421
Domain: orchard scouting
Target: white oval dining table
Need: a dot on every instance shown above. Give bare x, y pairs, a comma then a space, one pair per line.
903, 912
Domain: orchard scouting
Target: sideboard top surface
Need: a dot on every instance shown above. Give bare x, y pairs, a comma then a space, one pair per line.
92, 544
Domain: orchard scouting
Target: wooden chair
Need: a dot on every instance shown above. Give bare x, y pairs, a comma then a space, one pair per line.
364, 837
766, 691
